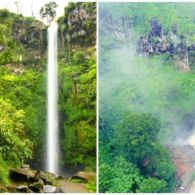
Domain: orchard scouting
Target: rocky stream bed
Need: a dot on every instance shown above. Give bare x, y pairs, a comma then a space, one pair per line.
26, 180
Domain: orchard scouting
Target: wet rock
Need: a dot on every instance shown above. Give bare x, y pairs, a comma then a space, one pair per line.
3, 188
25, 166
37, 186
37, 175
48, 178
85, 176
60, 190
22, 174
23, 188
49, 189
35, 178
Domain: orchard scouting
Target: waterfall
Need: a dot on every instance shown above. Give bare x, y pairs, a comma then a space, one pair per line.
52, 152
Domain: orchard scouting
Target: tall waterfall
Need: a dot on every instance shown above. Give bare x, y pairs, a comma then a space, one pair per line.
52, 164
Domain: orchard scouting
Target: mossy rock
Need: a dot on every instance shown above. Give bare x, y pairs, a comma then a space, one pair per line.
3, 188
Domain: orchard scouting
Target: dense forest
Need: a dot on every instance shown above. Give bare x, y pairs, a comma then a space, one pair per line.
77, 101
23, 89
147, 90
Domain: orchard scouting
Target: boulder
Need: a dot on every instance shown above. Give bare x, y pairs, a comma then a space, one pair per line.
60, 190
25, 166
49, 189
22, 174
48, 178
23, 188
37, 186
85, 176
35, 178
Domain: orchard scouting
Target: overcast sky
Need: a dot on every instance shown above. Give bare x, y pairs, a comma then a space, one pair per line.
29, 7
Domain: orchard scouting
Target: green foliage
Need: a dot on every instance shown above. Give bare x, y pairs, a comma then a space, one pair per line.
48, 11
10, 49
27, 114
77, 32
4, 171
22, 91
138, 129
135, 139
121, 176
14, 147
77, 104
143, 100
193, 176
91, 186
151, 185
140, 14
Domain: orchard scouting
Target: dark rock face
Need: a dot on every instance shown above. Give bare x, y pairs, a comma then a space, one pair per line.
33, 181
48, 178
79, 23
37, 186
31, 33
119, 28
23, 174
157, 42
156, 28
23, 188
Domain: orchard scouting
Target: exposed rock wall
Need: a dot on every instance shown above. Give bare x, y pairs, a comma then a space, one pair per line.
158, 42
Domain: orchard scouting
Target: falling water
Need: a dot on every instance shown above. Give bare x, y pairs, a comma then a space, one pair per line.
52, 98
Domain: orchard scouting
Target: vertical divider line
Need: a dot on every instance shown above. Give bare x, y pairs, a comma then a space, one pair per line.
97, 96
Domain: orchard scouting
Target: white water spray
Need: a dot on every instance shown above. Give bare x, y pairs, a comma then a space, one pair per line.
52, 164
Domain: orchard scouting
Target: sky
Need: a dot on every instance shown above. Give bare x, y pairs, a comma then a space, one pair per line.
32, 7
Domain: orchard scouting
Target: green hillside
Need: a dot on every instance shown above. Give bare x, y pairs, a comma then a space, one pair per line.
146, 93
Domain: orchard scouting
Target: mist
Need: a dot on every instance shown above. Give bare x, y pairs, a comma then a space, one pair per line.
146, 84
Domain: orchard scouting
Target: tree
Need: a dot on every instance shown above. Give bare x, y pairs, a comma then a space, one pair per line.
151, 185
4, 171
121, 176
48, 11
14, 146
135, 135
77, 105
160, 165
17, 6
